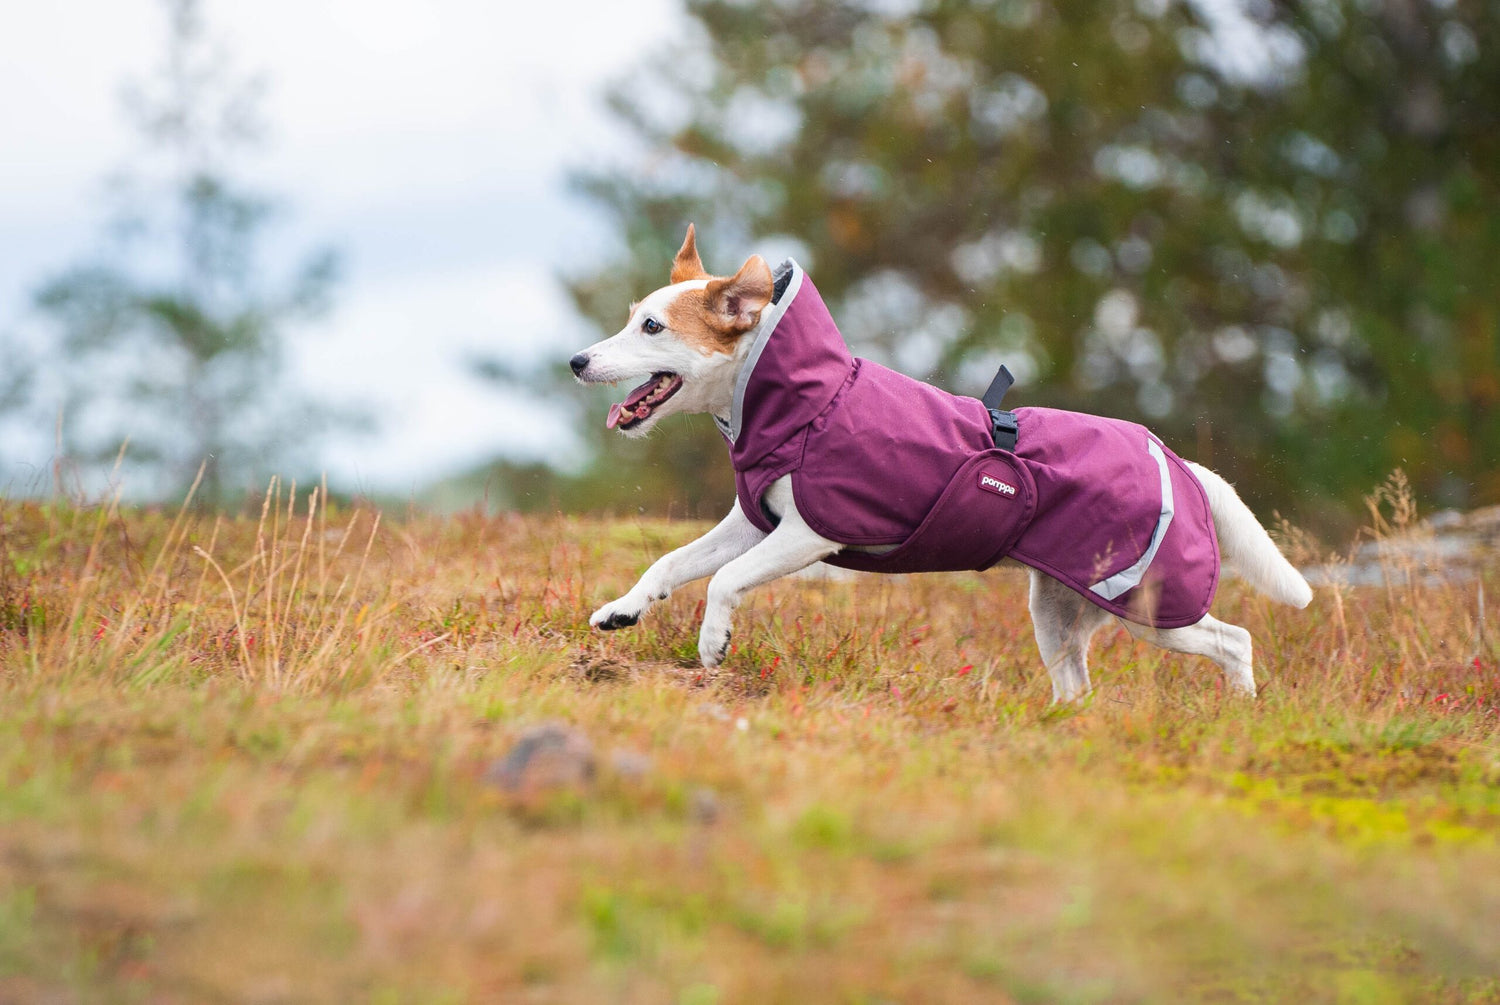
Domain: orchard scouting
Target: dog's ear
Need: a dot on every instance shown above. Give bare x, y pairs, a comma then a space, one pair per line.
687, 265
739, 299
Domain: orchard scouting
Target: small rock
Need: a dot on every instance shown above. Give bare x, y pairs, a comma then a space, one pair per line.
631, 765
548, 756
599, 671
703, 805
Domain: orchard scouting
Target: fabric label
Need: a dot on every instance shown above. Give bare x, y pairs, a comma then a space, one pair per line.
990, 483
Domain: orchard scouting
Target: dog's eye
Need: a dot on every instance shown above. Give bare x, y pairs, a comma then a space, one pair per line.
651, 326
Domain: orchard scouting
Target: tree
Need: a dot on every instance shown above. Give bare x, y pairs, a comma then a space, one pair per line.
1144, 211
1382, 160
171, 337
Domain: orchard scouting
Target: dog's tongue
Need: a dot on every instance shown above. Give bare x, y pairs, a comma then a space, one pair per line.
617, 411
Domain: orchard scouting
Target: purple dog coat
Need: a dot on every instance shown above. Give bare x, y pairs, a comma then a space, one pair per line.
884, 461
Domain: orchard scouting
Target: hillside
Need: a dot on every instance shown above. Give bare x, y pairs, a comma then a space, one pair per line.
273, 758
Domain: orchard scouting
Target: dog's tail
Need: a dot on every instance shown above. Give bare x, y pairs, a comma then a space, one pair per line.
1246, 548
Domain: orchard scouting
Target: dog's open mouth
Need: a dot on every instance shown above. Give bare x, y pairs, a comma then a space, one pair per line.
640, 403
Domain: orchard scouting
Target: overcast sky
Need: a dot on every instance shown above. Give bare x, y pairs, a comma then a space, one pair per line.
428, 141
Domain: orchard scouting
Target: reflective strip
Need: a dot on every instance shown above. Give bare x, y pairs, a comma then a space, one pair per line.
769, 319
1129, 579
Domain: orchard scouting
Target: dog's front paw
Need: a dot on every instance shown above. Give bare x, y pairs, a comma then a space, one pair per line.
713, 646
619, 614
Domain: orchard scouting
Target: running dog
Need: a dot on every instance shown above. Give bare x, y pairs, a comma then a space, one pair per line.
841, 460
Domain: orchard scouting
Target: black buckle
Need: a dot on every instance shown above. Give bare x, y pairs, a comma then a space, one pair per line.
1002, 423
1004, 429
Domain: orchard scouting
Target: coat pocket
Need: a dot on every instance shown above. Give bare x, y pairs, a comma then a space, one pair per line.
983, 510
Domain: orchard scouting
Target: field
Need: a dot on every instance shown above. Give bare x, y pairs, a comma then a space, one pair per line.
254, 758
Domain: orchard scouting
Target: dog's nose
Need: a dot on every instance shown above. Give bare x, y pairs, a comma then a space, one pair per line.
578, 363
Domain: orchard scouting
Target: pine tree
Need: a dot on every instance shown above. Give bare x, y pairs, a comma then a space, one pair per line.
171, 337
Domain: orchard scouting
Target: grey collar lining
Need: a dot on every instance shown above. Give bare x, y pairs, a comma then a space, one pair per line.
769, 318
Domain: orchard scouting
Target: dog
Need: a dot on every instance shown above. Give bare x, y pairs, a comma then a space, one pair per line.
840, 460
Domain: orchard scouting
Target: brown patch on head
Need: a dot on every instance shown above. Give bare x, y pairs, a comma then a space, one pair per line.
687, 265
712, 319
690, 317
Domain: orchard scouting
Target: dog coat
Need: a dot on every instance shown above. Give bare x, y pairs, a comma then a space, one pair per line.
886, 462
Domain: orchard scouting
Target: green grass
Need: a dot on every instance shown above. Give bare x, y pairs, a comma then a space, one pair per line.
244, 758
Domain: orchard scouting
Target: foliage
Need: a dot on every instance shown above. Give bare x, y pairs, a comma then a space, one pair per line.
1264, 231
172, 337
245, 758
1384, 156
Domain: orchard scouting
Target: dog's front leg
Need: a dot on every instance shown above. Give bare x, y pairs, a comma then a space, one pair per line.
730, 538
791, 546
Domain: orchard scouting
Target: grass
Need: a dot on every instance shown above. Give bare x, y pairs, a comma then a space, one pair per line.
244, 759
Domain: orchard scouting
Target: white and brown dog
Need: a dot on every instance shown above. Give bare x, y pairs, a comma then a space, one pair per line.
841, 460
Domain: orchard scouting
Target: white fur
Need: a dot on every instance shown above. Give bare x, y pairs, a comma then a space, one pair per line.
1246, 548
741, 557
632, 354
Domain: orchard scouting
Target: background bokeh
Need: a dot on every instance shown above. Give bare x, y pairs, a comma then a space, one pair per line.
426, 145
1265, 229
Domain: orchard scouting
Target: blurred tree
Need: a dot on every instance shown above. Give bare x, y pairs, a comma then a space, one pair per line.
17, 377
1227, 221
171, 336
1372, 181
15, 380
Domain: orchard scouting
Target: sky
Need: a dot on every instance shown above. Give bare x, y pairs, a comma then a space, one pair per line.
428, 142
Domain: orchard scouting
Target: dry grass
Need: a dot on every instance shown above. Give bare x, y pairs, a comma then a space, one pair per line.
242, 759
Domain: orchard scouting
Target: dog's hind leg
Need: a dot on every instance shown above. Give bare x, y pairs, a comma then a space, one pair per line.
1064, 624
1227, 645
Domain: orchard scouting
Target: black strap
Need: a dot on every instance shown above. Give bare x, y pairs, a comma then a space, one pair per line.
1003, 425
998, 387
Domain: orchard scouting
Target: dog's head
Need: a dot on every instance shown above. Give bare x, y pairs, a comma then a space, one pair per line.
689, 336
